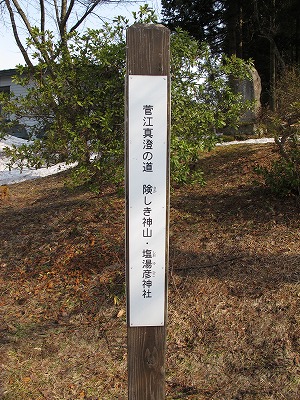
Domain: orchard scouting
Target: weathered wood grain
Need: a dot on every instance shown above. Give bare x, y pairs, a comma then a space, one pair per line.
148, 53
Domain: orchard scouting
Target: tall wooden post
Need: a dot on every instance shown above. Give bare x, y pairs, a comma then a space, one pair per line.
147, 123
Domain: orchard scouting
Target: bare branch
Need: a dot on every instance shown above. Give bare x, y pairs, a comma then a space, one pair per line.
26, 21
56, 12
66, 16
16, 34
62, 10
42, 7
88, 11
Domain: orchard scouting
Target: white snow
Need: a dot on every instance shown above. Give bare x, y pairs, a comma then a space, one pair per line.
248, 141
14, 176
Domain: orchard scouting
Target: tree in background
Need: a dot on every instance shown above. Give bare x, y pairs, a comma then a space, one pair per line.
266, 31
202, 19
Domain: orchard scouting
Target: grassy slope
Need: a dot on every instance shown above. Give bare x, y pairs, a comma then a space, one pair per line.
234, 289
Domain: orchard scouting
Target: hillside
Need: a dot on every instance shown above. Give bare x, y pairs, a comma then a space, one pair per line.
234, 288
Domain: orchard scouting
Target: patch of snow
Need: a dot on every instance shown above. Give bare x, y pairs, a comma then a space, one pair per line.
9, 141
14, 175
248, 141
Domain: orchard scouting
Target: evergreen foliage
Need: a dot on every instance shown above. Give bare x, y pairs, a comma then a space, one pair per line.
267, 32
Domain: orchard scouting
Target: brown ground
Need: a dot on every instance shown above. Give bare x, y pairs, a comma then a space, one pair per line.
234, 289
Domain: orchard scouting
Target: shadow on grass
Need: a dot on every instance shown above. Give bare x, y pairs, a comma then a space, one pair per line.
75, 229
244, 236
246, 203
250, 274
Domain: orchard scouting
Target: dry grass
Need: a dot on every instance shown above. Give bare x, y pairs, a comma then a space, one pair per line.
234, 289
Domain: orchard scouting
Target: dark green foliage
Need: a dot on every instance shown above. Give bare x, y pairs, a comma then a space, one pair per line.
202, 19
283, 178
268, 31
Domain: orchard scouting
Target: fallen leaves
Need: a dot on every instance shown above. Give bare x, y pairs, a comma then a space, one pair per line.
121, 313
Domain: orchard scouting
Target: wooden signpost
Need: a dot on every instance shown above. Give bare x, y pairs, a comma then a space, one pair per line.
147, 207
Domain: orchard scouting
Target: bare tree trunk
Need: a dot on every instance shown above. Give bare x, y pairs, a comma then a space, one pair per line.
297, 44
240, 31
272, 101
273, 71
43, 20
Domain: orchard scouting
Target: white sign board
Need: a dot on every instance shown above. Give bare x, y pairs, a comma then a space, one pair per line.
147, 197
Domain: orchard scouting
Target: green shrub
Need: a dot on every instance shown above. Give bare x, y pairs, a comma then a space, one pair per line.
283, 177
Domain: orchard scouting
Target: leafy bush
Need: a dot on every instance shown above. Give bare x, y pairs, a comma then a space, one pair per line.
283, 177
77, 99
203, 102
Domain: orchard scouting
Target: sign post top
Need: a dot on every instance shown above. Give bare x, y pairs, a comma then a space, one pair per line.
148, 49
149, 26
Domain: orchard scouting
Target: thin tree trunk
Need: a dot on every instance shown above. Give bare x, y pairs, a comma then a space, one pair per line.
297, 44
234, 20
42, 7
272, 101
